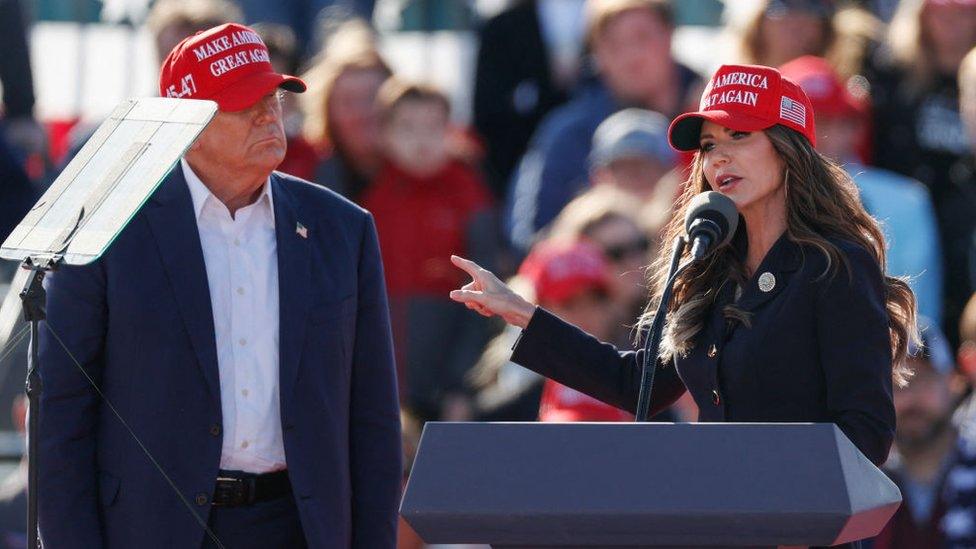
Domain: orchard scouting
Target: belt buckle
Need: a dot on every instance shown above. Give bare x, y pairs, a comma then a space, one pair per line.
233, 491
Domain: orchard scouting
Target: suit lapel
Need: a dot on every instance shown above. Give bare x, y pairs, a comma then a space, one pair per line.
174, 228
294, 280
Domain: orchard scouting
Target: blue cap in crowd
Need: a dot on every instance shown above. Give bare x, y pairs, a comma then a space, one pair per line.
632, 133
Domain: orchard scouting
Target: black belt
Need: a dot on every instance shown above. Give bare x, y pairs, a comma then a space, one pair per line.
234, 488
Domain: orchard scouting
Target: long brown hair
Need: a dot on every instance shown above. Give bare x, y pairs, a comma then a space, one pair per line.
821, 201
351, 47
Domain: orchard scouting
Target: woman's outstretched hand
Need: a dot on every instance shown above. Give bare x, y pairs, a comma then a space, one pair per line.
489, 296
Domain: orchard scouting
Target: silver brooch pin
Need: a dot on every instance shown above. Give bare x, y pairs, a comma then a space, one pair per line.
767, 282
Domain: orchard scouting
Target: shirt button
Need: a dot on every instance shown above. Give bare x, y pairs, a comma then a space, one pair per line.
240, 291
245, 392
215, 429
243, 342
712, 351
201, 499
245, 444
716, 399
237, 242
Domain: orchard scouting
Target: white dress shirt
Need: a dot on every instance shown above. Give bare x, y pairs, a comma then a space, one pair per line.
241, 256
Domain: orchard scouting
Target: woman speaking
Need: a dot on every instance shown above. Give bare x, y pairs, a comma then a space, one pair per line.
792, 321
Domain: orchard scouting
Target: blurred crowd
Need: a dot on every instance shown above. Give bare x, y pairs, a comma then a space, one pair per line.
564, 178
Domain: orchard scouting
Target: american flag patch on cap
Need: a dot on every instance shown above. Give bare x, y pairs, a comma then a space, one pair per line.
793, 111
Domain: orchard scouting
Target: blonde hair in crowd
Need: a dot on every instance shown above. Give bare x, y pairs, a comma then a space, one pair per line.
911, 47
857, 32
599, 13
967, 75
848, 39
197, 14
752, 51
351, 47
822, 201
591, 209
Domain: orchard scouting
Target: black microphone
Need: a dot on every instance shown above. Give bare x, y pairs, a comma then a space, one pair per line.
710, 222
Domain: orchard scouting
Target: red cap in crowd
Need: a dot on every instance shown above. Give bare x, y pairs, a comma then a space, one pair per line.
746, 98
561, 404
560, 271
828, 95
228, 64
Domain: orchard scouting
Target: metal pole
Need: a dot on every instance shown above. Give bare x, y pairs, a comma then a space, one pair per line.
33, 415
653, 341
33, 297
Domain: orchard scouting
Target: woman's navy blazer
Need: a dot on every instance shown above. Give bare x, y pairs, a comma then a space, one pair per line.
817, 349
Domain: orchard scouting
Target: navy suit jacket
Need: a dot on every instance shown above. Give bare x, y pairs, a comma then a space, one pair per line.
139, 320
817, 349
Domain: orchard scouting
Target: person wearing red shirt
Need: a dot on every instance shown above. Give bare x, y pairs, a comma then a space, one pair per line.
427, 206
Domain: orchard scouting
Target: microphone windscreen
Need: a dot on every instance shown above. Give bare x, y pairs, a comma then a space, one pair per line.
716, 207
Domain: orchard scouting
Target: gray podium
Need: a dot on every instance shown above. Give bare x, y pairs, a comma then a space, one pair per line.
534, 485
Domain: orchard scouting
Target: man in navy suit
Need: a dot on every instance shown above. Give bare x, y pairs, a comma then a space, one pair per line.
239, 326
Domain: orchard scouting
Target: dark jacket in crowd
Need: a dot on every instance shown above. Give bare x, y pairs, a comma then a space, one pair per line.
918, 132
17, 194
954, 207
335, 173
513, 88
15, 71
817, 350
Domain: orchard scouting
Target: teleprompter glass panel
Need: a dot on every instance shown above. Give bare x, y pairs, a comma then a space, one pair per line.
107, 182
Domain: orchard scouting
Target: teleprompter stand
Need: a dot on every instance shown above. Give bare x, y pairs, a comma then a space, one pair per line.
33, 297
85, 209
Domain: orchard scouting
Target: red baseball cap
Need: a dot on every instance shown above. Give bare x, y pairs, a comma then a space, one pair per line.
828, 95
746, 98
560, 271
228, 64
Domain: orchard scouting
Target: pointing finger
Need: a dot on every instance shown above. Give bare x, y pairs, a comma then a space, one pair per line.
467, 266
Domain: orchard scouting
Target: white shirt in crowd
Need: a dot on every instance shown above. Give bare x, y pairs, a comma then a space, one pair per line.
241, 256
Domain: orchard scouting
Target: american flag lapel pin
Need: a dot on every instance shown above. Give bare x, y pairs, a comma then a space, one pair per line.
301, 230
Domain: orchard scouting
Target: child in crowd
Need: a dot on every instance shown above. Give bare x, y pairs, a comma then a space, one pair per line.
428, 206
